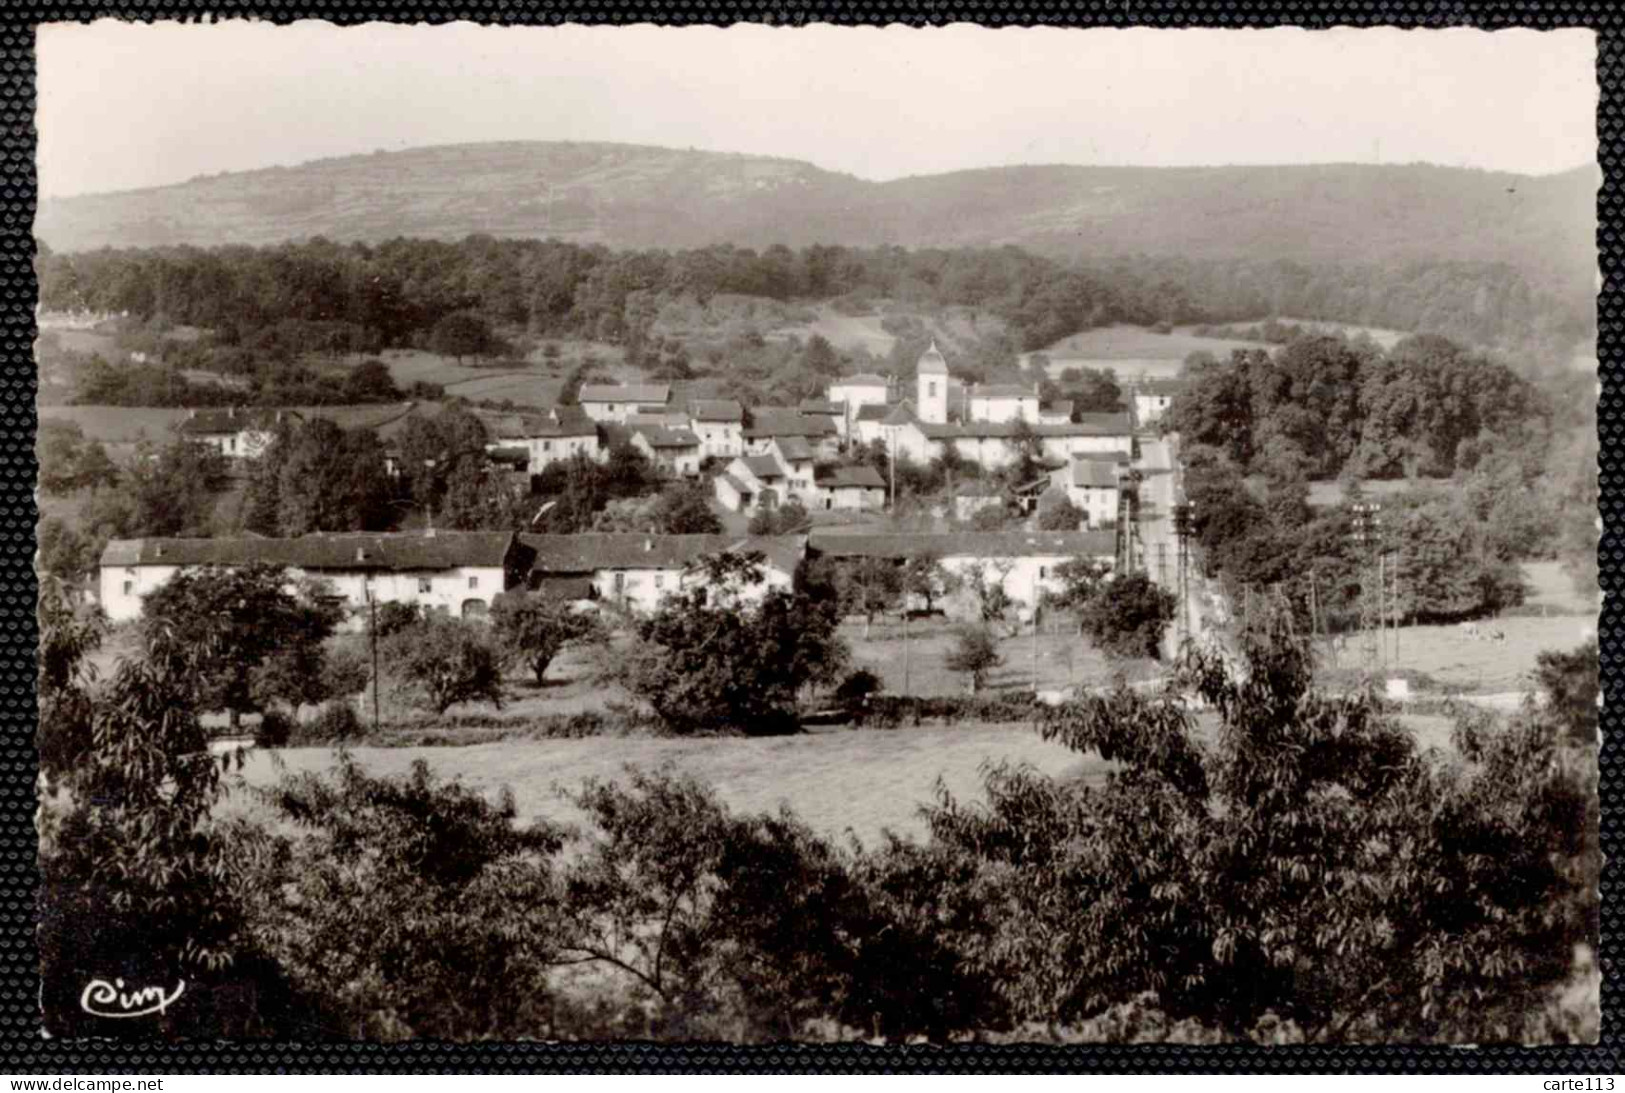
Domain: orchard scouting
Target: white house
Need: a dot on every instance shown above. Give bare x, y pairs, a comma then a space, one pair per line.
637, 571
863, 389
853, 489
752, 483
1093, 486
1154, 398
795, 455
1023, 561
451, 572
1058, 412
676, 451
235, 434
836, 412
998, 402
614, 402
720, 425
560, 434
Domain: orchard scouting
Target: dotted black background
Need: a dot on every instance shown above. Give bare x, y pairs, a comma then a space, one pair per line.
23, 1051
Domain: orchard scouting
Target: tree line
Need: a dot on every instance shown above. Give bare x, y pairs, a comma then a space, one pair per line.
356, 297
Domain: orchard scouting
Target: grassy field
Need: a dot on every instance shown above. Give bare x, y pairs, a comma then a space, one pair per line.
1130, 349
1381, 335
1064, 659
1551, 587
864, 781
1448, 655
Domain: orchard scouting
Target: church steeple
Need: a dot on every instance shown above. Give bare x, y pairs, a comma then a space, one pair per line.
932, 382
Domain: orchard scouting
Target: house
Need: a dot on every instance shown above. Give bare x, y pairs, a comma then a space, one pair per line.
770, 422
236, 434
720, 425
850, 489
863, 389
676, 451
560, 434
614, 402
1154, 398
835, 411
931, 386
636, 571
451, 572
970, 498
996, 402
1093, 486
1024, 561
795, 455
753, 483
869, 423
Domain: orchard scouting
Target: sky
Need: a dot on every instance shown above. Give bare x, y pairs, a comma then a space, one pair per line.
128, 105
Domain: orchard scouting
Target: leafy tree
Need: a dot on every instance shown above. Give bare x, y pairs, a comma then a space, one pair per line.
462, 334
65, 553
925, 576
1059, 513
868, 586
986, 583
370, 381
1080, 579
714, 656
173, 490
267, 640
67, 635
448, 660
532, 630
684, 508
1310, 867
790, 518
1572, 683
466, 892
326, 479
1128, 615
976, 653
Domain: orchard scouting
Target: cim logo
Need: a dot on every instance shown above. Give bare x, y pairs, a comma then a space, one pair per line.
104, 999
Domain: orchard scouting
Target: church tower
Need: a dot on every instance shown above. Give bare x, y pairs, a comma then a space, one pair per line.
932, 379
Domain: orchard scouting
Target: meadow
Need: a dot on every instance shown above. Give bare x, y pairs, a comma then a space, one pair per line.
1456, 660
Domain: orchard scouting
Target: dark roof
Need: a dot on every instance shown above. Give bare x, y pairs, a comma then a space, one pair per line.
561, 421
766, 421
716, 409
987, 544
864, 477
862, 379
1162, 387
872, 411
661, 437
794, 449
1061, 407
821, 406
515, 456
763, 467
587, 553
901, 414
228, 420
1002, 390
402, 551
1090, 425
651, 393
1090, 472
567, 586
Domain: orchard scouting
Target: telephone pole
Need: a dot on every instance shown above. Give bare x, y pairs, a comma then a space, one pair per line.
1182, 533
1367, 533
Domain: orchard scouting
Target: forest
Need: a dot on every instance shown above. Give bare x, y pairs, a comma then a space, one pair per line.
323, 296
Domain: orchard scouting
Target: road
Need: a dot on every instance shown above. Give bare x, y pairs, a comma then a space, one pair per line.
1159, 492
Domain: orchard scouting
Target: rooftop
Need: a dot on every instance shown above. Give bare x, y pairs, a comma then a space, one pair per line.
399, 551
628, 550
769, 421
1002, 390
985, 544
558, 422
794, 449
1093, 472
821, 406
862, 379
932, 362
864, 477
228, 420
716, 409
655, 394
659, 436
764, 467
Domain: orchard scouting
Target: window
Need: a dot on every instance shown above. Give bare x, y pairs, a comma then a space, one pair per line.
931, 389
660, 580
473, 582
425, 586
547, 445
129, 586
620, 583
1043, 571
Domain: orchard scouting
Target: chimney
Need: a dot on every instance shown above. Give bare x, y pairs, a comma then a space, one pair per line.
648, 545
231, 412
158, 550
190, 414
279, 417
360, 554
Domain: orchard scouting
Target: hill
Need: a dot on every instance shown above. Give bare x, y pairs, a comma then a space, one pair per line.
628, 196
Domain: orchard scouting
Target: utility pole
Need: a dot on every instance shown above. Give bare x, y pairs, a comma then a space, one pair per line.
905, 643
1367, 532
1399, 612
1382, 607
372, 604
1314, 608
1182, 531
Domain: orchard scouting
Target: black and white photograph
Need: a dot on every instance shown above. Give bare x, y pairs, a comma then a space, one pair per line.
822, 535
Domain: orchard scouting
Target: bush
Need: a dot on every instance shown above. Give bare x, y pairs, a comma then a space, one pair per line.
275, 730
856, 689
335, 722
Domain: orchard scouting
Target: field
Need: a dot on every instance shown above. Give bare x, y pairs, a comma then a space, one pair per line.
1381, 335
953, 328
1064, 659
1134, 351
125, 425
1453, 658
1552, 590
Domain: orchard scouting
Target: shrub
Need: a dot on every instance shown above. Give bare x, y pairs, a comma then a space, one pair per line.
1128, 615
275, 730
449, 661
335, 722
976, 653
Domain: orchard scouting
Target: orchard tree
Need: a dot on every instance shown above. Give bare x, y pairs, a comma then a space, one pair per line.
266, 638
449, 660
976, 653
532, 629
1128, 615
1059, 514
713, 655
684, 508
925, 576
